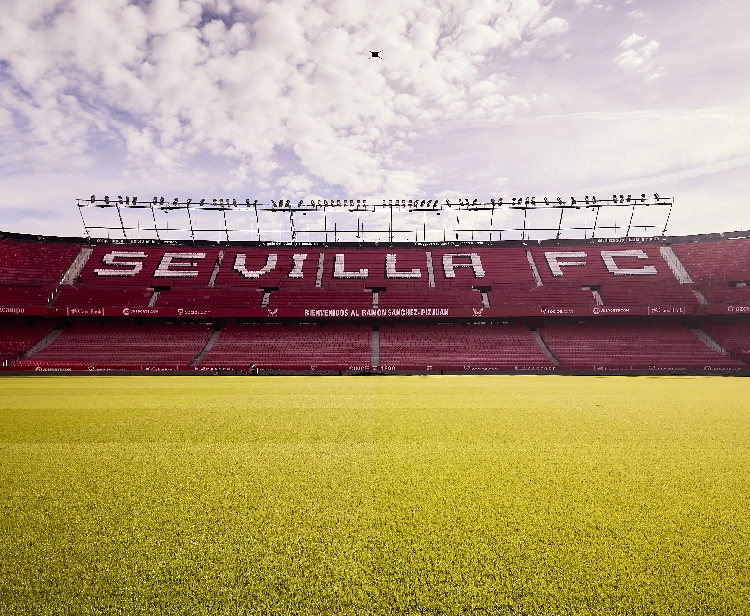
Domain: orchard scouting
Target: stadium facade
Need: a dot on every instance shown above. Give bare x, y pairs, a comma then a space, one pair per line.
608, 305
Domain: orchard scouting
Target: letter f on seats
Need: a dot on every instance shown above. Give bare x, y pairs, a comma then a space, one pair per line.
555, 265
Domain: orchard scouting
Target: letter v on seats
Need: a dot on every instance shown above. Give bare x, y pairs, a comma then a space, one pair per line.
239, 266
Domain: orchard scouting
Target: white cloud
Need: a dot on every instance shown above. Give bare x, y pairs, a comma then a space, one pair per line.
552, 27
633, 39
174, 81
637, 56
268, 98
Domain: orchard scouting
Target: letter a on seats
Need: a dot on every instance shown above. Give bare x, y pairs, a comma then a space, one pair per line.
475, 264
239, 266
555, 265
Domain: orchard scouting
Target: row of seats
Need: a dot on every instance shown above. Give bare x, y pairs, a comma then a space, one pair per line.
630, 345
117, 344
458, 347
733, 336
589, 345
30, 274
34, 262
302, 347
17, 336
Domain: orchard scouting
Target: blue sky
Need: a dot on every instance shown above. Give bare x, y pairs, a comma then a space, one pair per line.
480, 98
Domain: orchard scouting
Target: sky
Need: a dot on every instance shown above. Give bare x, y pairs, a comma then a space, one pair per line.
474, 98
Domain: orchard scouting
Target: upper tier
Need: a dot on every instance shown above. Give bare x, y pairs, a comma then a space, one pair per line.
700, 274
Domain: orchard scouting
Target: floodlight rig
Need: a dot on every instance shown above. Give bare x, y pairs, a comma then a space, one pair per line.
361, 206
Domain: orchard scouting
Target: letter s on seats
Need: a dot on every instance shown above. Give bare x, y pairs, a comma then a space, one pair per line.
608, 256
109, 259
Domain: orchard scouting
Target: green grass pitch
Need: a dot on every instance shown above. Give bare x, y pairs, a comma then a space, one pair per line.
374, 495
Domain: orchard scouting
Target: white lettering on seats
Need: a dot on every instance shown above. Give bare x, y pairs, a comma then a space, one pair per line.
299, 261
390, 269
239, 266
167, 263
555, 265
608, 256
340, 272
475, 264
109, 259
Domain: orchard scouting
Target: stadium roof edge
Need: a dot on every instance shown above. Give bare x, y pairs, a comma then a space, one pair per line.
679, 239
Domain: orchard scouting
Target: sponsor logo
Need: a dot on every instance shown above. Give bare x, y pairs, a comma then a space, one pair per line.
184, 312
556, 310
86, 312
679, 310
531, 368
738, 309
41, 369
11, 310
272, 312
611, 310
478, 311
140, 311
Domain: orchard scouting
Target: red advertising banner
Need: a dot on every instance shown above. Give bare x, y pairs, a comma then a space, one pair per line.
367, 312
729, 309
37, 311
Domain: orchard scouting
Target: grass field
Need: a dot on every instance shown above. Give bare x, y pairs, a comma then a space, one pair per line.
374, 495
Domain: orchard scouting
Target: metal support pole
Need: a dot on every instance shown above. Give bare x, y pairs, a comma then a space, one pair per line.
596, 219
257, 222
666, 223
156, 228
190, 221
559, 224
85, 227
124, 234
226, 229
632, 213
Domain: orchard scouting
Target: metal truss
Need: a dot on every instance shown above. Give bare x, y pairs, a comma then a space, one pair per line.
284, 208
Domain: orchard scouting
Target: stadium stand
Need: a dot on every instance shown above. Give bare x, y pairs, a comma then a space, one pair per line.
18, 335
30, 271
293, 347
734, 337
655, 304
460, 347
122, 345
721, 269
630, 346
